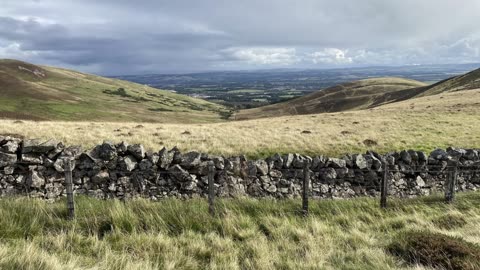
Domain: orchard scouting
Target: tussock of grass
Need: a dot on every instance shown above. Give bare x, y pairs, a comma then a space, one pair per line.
246, 233
436, 250
450, 221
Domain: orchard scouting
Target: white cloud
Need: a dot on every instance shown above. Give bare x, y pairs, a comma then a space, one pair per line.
330, 56
13, 50
264, 55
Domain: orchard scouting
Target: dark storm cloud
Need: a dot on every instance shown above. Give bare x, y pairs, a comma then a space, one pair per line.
114, 37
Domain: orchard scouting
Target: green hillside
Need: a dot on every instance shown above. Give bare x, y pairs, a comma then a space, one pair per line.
34, 92
355, 95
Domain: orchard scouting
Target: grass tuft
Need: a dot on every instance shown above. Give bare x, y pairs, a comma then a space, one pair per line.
436, 250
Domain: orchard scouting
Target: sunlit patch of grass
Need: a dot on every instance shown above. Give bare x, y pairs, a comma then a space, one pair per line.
391, 126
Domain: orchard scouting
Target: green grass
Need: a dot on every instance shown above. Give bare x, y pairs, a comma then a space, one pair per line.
250, 91
246, 233
69, 95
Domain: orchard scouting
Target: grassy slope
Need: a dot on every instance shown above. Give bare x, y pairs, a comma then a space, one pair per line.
468, 81
250, 234
449, 119
355, 95
60, 94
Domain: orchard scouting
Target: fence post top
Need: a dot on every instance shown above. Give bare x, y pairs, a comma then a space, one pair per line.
307, 163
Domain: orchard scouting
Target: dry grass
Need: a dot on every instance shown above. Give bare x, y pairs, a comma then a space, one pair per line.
425, 123
249, 234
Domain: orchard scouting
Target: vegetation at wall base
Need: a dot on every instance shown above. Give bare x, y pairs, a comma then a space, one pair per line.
246, 233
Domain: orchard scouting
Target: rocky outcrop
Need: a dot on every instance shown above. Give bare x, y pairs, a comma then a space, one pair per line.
36, 168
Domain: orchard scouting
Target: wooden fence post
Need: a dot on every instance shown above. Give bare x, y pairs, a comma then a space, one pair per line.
211, 188
306, 187
450, 182
384, 185
69, 188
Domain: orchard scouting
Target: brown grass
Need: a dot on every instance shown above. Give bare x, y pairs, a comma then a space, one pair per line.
426, 123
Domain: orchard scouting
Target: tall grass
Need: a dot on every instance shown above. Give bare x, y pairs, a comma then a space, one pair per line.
245, 234
422, 124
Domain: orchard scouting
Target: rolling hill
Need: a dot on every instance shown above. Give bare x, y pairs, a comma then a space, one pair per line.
363, 94
355, 95
35, 92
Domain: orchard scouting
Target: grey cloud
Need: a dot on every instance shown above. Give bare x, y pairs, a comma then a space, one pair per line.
115, 37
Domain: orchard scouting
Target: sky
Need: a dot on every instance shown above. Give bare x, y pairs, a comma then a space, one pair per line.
118, 37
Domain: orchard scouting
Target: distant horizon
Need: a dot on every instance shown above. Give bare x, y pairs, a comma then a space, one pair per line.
286, 69
182, 37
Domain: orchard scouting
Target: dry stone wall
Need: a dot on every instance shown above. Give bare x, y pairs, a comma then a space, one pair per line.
35, 168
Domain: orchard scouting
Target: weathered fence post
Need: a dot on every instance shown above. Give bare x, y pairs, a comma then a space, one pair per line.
451, 181
69, 188
211, 188
306, 187
384, 185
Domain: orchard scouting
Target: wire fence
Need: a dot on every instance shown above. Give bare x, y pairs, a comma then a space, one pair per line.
384, 183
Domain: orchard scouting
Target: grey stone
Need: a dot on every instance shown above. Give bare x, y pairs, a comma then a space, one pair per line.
219, 162
32, 158
262, 167
36, 180
277, 161
298, 161
471, 154
275, 173
137, 151
406, 157
179, 174
271, 188
9, 170
337, 163
7, 159
122, 147
319, 162
288, 160
106, 151
152, 157
36, 146
101, 177
145, 165
439, 154
129, 163
419, 181
165, 158
361, 162
422, 157
59, 164
10, 147
190, 160
330, 174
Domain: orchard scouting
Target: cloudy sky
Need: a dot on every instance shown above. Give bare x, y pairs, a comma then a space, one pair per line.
114, 37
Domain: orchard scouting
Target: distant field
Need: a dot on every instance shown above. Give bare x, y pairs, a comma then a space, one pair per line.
450, 119
248, 234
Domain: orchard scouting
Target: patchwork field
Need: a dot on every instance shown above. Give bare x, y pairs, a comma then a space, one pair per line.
426, 123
